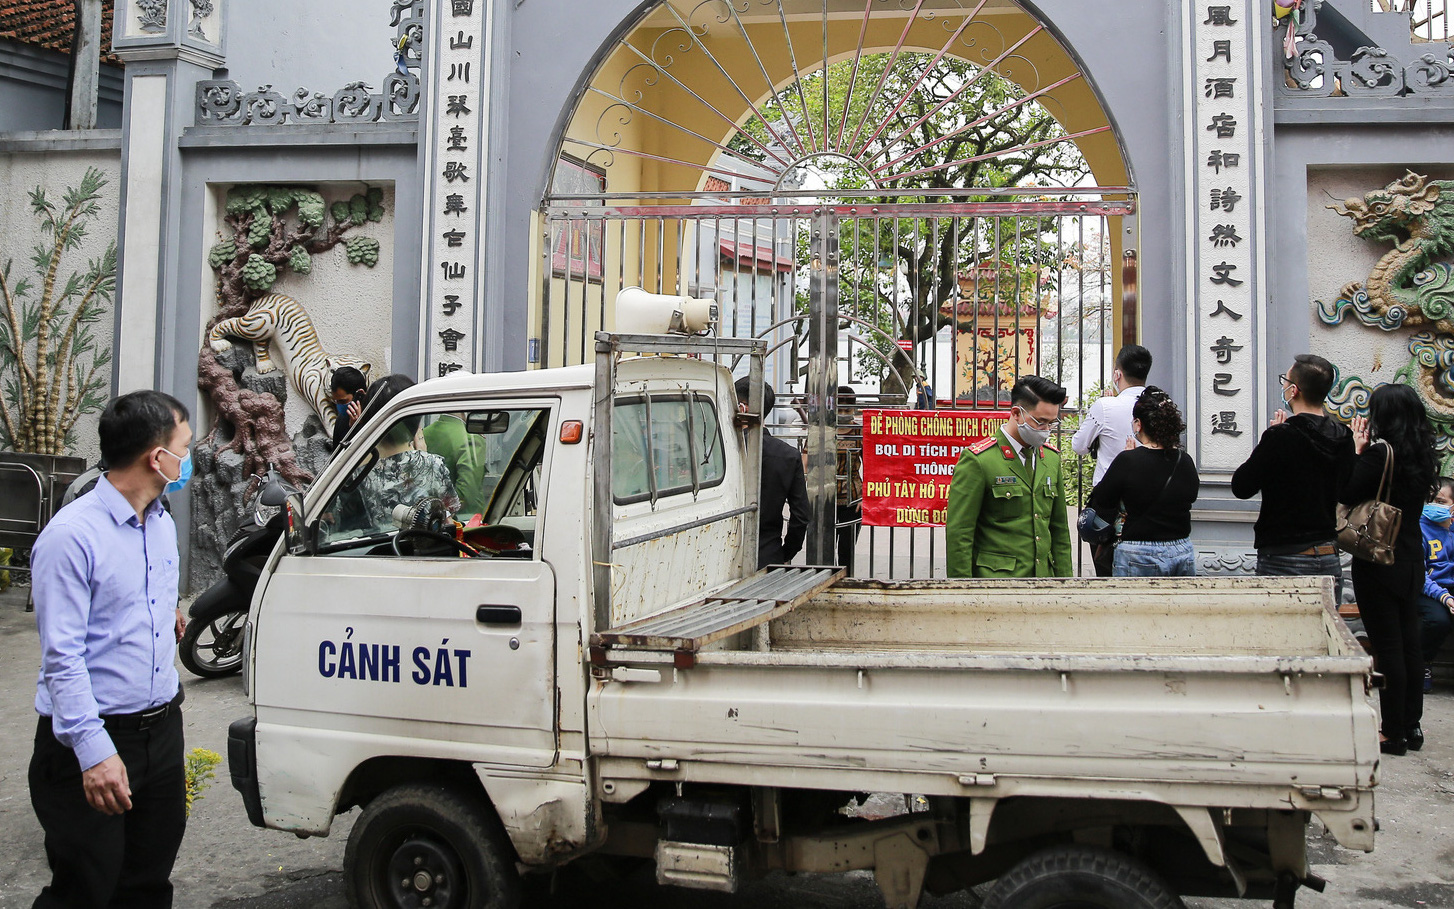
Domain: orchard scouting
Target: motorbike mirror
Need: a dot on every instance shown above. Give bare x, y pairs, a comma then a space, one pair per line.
273, 494
296, 530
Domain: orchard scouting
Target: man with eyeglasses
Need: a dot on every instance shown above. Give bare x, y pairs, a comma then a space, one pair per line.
1007, 516
1299, 465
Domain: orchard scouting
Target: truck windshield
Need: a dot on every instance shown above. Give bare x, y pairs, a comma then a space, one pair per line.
479, 467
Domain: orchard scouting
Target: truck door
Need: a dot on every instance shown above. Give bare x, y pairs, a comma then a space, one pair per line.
387, 631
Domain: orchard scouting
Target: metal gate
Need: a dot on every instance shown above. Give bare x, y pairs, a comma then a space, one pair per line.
910, 304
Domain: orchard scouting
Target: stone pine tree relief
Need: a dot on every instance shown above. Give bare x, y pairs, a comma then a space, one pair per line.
1410, 287
259, 343
52, 370
273, 230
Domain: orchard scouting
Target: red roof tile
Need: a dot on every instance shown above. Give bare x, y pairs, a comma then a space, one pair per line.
50, 23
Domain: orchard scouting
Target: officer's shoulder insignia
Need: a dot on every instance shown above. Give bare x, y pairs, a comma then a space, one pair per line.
1049, 446
982, 445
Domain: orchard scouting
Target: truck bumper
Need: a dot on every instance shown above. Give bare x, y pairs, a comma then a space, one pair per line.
242, 759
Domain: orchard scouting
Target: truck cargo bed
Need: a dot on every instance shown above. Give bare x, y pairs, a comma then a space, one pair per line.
984, 688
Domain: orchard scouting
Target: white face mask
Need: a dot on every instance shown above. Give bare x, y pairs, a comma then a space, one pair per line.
1033, 437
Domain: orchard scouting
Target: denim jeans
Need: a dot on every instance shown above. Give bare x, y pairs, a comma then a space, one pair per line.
1301, 566
1171, 559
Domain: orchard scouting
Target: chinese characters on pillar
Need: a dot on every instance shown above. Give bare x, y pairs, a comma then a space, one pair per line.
457, 101
1223, 88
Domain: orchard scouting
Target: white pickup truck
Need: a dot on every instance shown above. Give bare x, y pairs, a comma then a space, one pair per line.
607, 675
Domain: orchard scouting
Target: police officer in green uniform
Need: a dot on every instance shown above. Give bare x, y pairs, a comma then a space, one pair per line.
1007, 501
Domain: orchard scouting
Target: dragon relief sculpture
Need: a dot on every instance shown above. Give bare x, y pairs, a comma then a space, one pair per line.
1409, 287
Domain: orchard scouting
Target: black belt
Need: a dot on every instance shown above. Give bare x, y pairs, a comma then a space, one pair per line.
145, 719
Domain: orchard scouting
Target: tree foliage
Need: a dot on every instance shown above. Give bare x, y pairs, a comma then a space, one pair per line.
916, 128
52, 369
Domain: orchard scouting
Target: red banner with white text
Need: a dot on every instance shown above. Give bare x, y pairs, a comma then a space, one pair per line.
909, 458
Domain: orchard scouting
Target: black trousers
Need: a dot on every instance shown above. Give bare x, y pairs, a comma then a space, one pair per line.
102, 861
1387, 604
850, 522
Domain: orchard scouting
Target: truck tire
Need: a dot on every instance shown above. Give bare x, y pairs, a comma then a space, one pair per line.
429, 845
1081, 877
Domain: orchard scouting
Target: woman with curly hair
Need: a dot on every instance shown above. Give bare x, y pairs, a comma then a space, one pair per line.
1154, 485
1396, 426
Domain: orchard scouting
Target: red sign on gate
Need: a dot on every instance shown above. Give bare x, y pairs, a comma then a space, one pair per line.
909, 458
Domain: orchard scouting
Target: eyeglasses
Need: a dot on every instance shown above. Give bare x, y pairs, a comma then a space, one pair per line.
1051, 425
1285, 381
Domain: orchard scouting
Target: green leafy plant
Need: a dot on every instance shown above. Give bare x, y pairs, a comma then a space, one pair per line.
52, 368
201, 767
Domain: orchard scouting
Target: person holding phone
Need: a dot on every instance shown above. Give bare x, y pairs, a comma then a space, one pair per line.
347, 388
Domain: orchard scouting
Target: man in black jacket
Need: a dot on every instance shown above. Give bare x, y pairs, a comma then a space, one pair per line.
783, 483
1299, 465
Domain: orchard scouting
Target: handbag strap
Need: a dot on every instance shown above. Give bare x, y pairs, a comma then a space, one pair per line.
1385, 480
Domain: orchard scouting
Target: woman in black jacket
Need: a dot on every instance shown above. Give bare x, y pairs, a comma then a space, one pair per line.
1155, 485
1387, 594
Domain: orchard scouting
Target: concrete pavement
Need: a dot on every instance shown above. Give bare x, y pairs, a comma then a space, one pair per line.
226, 863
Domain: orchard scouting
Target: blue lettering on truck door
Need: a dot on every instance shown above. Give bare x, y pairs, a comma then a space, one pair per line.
441, 666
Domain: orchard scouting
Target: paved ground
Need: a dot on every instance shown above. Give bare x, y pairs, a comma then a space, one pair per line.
227, 864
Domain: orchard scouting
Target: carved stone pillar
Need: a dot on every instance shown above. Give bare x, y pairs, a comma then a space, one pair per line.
168, 46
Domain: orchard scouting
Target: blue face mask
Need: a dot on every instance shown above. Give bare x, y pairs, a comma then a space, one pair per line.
184, 473
1436, 512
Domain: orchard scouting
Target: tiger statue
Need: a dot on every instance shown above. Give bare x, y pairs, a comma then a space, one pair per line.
280, 318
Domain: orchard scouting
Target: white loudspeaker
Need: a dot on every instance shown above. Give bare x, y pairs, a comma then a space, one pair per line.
642, 313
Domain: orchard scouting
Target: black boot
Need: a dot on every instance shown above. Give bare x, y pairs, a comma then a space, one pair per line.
1415, 737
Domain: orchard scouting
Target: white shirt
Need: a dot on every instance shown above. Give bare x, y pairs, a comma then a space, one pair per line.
1016, 447
1109, 420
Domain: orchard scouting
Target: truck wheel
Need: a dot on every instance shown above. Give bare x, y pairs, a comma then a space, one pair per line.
1081, 877
213, 649
421, 845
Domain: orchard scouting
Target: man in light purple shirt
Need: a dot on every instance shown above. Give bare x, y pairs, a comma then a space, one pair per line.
107, 778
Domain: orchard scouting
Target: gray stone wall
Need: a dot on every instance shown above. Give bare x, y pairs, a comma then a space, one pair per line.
33, 90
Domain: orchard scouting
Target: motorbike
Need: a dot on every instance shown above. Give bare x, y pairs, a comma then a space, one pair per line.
212, 645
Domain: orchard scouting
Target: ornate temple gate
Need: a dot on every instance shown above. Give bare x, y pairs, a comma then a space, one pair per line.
816, 165
915, 304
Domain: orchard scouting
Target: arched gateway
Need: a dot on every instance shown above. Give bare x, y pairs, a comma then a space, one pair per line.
918, 198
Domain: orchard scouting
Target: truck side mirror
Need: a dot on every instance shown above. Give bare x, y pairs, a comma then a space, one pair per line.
296, 529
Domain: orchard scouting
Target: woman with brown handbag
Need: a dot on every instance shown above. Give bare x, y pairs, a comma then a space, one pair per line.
1396, 427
